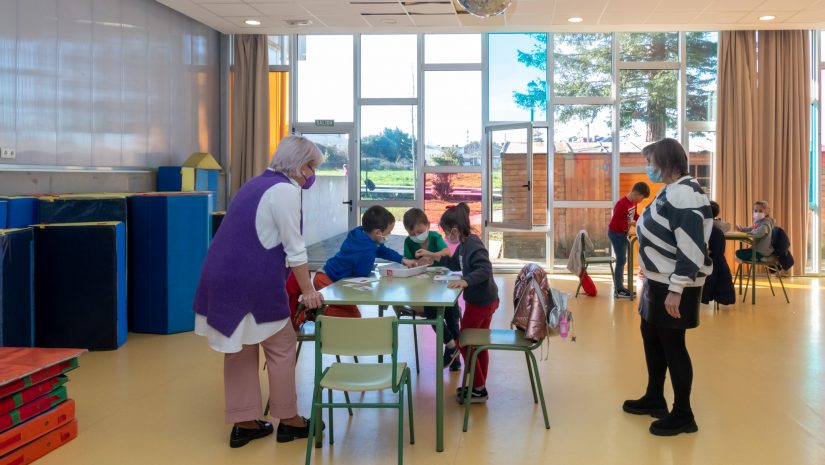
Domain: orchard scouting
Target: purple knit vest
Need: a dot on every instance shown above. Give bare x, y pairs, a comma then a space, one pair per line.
239, 275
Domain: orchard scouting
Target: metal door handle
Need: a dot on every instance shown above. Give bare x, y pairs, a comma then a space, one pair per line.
526, 185
347, 202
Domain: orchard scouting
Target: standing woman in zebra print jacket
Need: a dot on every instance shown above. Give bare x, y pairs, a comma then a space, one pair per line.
673, 234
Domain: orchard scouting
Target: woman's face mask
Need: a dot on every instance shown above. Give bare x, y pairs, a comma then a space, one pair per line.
653, 174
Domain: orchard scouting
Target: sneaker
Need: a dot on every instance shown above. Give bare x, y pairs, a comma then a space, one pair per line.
478, 396
623, 294
676, 422
456, 365
450, 355
657, 408
239, 437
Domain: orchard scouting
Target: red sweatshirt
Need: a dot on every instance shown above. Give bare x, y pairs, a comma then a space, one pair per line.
623, 213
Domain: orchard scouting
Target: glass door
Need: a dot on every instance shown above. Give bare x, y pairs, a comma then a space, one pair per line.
516, 194
336, 188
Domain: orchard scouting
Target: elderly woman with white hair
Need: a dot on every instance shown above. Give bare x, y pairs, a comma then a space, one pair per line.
241, 302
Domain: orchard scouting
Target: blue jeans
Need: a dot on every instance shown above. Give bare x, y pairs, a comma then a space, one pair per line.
619, 242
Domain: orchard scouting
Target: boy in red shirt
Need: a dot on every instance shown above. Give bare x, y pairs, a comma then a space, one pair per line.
624, 216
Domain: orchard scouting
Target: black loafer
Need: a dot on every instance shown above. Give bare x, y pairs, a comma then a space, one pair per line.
287, 433
241, 436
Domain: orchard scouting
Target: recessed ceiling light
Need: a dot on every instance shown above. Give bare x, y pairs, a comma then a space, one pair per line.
389, 21
252, 22
298, 22
575, 19
767, 18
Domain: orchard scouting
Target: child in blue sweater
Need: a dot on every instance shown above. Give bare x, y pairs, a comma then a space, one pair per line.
357, 256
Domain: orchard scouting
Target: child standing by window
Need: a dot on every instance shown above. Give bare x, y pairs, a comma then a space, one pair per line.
420, 237
761, 231
480, 290
624, 216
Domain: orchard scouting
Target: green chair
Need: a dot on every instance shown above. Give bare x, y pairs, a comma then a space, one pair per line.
770, 264
358, 336
478, 340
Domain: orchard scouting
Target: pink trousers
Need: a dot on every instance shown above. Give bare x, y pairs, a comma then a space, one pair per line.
242, 382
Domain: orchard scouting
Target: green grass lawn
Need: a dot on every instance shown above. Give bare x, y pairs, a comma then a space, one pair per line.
395, 177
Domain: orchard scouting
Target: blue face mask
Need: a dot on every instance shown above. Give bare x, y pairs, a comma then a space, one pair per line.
653, 174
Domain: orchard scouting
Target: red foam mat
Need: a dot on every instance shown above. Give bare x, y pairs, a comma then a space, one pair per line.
38, 426
42, 446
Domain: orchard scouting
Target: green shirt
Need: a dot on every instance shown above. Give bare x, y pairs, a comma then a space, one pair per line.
435, 243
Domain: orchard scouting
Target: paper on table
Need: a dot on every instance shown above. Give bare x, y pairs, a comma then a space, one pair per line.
447, 277
366, 280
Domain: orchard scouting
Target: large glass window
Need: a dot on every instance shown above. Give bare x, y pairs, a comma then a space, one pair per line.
647, 112
701, 148
567, 224
325, 82
452, 118
389, 66
582, 65
649, 46
388, 152
702, 58
583, 157
518, 77
443, 189
278, 50
452, 48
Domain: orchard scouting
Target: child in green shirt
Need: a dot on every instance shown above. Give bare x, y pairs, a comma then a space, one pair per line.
420, 237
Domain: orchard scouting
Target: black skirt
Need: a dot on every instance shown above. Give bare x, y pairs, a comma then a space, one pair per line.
652, 306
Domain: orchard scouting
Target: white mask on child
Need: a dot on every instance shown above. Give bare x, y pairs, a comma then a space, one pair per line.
757, 216
420, 238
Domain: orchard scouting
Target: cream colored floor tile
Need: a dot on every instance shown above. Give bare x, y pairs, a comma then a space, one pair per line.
759, 397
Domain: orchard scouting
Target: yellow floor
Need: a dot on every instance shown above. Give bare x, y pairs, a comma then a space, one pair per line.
759, 397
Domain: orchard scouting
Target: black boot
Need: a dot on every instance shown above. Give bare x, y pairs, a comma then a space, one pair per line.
241, 436
656, 408
677, 421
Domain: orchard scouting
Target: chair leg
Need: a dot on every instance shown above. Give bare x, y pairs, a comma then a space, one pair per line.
329, 431
401, 427
541, 392
747, 283
415, 343
355, 357
578, 289
782, 283
312, 421
410, 411
468, 393
770, 283
532, 382
298, 352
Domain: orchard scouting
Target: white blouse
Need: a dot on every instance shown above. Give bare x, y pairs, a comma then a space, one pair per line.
277, 221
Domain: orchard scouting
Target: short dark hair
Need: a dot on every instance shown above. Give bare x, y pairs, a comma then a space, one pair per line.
458, 217
376, 217
413, 217
642, 188
714, 208
670, 158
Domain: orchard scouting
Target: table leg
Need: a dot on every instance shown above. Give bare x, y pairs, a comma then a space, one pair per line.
741, 272
439, 380
380, 314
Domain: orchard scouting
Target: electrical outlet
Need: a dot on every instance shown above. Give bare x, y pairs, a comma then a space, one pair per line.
8, 153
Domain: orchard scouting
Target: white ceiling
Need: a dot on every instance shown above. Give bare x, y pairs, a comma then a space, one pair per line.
228, 16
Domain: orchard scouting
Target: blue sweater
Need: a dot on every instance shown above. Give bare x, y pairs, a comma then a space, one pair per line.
357, 255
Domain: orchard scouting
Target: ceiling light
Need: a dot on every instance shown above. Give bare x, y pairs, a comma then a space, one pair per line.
252, 22
389, 21
575, 19
298, 22
767, 18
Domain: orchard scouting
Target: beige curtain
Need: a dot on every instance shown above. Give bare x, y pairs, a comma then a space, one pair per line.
250, 110
762, 130
736, 126
780, 168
